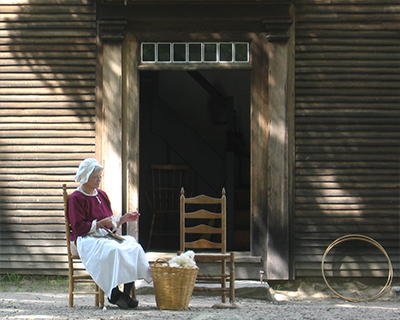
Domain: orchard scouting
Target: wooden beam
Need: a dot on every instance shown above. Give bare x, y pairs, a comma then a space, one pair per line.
130, 124
259, 143
112, 130
200, 11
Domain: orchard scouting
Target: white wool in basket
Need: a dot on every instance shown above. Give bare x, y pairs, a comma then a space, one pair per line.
185, 260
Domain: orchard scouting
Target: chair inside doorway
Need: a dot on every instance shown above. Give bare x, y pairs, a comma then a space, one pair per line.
163, 197
203, 229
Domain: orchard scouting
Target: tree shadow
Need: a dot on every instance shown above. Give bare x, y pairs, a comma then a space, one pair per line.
47, 110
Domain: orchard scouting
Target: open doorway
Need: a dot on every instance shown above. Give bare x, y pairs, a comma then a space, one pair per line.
200, 118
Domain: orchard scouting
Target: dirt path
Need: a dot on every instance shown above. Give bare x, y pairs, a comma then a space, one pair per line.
37, 306
53, 304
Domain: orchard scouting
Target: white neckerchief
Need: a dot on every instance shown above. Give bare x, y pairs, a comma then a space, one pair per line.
89, 195
115, 219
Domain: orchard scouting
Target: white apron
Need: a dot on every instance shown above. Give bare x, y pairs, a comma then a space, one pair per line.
111, 263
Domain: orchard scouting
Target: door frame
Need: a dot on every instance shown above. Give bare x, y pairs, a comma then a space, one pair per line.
272, 127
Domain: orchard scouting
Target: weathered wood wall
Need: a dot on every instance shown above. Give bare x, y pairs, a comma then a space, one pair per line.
47, 110
347, 127
347, 132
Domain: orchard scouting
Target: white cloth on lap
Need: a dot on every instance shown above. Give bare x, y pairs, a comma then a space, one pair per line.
111, 263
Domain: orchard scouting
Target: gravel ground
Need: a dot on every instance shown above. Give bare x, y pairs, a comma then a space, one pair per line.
53, 304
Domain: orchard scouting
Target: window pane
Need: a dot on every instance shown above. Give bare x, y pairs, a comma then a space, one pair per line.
164, 54
210, 52
225, 52
183, 52
241, 52
179, 52
194, 52
149, 52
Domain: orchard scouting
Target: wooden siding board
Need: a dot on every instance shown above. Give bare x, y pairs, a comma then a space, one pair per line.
31, 213
350, 2
47, 112
347, 130
373, 185
47, 9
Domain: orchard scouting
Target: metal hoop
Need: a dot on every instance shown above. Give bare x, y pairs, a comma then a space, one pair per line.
361, 238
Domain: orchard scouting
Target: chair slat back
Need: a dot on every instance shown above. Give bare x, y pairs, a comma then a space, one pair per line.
67, 225
167, 180
205, 226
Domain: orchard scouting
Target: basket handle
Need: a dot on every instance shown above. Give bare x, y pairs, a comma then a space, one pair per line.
160, 259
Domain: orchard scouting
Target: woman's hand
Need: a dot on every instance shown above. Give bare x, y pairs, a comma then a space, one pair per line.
106, 222
129, 216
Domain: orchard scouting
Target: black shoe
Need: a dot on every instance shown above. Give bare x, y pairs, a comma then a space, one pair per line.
122, 302
126, 302
132, 303
115, 295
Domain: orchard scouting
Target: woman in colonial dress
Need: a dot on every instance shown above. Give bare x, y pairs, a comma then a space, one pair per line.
109, 262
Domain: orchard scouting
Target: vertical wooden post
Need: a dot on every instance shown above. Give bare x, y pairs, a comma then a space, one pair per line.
112, 130
259, 144
277, 263
130, 131
230, 177
111, 33
270, 121
99, 104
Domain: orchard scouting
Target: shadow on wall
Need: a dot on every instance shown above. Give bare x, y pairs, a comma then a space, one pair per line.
47, 125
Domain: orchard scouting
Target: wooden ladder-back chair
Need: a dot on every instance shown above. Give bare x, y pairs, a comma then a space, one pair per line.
163, 196
203, 228
73, 259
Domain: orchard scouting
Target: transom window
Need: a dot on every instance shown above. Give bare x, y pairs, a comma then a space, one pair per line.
195, 52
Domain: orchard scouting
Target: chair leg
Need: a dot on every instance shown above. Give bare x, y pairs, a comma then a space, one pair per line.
71, 292
153, 220
101, 298
223, 280
97, 296
232, 278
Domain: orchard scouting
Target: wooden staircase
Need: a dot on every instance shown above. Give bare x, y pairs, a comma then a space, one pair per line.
206, 163
180, 137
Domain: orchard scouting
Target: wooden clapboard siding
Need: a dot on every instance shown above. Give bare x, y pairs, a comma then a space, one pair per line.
47, 115
347, 128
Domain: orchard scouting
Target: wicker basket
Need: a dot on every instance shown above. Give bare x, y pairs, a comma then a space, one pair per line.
173, 286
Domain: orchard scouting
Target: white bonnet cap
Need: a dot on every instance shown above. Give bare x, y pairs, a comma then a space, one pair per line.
85, 169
